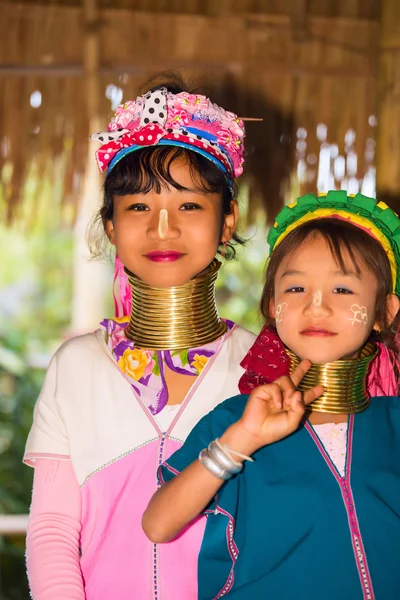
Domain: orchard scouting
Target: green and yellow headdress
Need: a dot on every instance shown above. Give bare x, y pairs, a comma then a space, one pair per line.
374, 217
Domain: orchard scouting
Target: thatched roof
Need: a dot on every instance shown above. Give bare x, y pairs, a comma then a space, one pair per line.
314, 62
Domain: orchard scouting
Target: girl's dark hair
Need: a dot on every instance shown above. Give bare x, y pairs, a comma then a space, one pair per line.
343, 239
148, 170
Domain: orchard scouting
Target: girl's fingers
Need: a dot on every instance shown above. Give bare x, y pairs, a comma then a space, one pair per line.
278, 401
297, 409
311, 395
299, 372
269, 392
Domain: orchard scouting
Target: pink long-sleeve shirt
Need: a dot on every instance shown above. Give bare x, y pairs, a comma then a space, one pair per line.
104, 446
52, 543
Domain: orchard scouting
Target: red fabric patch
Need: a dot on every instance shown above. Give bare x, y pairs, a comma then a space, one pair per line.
265, 361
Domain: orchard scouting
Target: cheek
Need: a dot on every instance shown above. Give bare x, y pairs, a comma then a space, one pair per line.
357, 315
123, 226
280, 311
202, 234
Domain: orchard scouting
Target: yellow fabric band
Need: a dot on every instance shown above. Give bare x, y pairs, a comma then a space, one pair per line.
357, 220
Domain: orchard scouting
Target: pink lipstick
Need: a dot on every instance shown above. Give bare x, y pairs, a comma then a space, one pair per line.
317, 332
164, 256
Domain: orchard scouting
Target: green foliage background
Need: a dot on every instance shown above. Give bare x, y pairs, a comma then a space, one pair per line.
35, 298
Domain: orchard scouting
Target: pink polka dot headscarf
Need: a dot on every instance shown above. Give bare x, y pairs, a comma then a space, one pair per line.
186, 120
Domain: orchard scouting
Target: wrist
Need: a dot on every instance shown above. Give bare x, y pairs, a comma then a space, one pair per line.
239, 439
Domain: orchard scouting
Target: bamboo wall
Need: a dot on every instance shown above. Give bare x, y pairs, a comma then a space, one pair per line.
295, 64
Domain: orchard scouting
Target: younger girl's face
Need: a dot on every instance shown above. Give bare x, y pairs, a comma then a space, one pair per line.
322, 313
166, 239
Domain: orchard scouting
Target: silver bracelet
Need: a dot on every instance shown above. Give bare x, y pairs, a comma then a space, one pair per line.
212, 466
221, 457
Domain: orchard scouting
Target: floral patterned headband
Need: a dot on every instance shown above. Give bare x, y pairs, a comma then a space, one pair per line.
186, 120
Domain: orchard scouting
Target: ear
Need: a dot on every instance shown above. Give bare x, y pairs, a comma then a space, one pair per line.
392, 308
230, 222
271, 308
110, 231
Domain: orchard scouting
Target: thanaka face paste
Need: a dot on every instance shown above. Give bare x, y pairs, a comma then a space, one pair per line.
280, 309
360, 315
317, 300
163, 223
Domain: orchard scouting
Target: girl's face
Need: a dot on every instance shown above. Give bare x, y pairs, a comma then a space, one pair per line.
166, 239
322, 313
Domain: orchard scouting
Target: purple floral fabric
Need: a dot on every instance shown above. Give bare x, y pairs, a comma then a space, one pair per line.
144, 369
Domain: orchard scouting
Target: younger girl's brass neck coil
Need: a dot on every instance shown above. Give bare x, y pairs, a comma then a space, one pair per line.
344, 382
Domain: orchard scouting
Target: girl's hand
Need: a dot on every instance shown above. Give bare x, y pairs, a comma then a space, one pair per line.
274, 411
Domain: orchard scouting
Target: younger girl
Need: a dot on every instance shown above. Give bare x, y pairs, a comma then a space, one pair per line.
117, 402
315, 511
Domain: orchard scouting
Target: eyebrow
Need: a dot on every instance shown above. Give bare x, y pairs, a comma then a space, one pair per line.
196, 191
341, 273
291, 272
348, 274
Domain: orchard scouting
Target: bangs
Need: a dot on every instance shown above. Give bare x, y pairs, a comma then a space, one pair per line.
149, 170
350, 246
346, 249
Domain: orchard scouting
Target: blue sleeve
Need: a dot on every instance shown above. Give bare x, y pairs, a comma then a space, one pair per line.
210, 427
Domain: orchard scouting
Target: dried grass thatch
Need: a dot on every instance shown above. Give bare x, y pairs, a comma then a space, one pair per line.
295, 64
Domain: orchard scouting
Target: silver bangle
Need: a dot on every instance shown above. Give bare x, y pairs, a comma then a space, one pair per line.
226, 462
212, 466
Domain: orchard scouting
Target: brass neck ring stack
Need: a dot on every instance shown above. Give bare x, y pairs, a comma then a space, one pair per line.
176, 317
344, 382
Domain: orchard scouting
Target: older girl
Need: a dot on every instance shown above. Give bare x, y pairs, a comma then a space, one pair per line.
117, 402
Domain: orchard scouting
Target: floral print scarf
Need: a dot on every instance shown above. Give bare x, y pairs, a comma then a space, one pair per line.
144, 369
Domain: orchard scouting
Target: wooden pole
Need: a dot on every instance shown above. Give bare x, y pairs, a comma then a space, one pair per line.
388, 106
92, 280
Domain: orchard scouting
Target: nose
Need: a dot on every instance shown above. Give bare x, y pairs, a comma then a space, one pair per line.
317, 305
163, 226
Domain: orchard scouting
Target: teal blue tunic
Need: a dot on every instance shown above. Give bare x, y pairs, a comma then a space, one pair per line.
290, 527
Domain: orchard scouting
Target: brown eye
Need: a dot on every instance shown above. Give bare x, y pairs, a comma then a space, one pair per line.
341, 290
190, 206
138, 207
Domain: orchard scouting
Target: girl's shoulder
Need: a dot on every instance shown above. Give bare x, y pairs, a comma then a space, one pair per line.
385, 404
226, 413
238, 342
241, 334
81, 347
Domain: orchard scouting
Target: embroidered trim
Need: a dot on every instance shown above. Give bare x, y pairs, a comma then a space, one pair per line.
232, 548
230, 529
170, 469
113, 460
175, 439
155, 546
348, 500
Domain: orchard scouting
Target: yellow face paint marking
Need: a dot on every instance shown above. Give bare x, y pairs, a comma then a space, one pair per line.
163, 223
317, 300
360, 314
280, 309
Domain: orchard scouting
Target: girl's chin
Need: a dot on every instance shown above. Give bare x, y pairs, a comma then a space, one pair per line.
322, 353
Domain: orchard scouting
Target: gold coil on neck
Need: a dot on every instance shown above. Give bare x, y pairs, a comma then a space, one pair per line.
344, 382
184, 316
